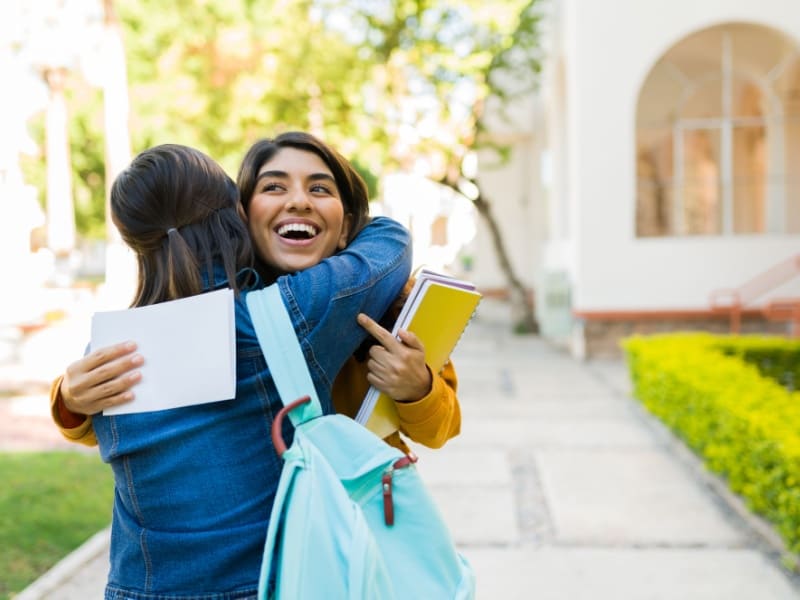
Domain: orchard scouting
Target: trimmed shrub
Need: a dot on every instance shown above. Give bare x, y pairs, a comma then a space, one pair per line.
728, 398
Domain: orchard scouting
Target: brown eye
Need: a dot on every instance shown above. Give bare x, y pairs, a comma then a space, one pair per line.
320, 189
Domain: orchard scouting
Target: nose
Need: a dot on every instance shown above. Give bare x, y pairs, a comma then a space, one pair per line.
298, 200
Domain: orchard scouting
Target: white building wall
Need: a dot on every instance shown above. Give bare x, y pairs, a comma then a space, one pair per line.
513, 189
607, 52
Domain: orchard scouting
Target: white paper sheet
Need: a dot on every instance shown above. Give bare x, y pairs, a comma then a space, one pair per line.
188, 345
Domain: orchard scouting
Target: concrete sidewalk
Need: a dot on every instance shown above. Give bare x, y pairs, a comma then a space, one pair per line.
560, 487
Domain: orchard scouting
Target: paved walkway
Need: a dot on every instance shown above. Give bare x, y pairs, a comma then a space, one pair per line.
561, 488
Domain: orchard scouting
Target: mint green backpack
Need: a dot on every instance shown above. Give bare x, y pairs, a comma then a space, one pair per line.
352, 518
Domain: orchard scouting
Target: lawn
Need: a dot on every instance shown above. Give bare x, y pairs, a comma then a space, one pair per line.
50, 503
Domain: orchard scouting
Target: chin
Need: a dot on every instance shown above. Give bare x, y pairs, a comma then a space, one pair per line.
292, 266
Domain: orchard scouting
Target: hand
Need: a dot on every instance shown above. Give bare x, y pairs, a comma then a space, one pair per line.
101, 379
397, 367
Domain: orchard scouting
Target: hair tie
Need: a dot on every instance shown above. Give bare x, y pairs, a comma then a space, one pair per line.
170, 230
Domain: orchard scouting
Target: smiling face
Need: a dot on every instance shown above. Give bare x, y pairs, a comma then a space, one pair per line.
296, 216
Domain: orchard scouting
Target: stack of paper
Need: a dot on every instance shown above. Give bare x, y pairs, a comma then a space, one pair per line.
188, 345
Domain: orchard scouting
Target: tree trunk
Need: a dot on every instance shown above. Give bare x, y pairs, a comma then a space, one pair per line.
521, 304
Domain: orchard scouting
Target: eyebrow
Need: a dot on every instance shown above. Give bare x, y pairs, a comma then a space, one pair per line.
285, 175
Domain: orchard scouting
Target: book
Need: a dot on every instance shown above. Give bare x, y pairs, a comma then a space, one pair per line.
437, 310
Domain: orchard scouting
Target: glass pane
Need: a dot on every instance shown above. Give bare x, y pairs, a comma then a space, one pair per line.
705, 100
748, 100
756, 49
787, 88
699, 54
660, 96
749, 183
654, 182
701, 190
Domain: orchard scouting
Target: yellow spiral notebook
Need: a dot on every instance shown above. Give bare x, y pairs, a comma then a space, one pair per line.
437, 311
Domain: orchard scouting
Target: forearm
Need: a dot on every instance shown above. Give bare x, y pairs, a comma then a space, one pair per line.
436, 418
365, 277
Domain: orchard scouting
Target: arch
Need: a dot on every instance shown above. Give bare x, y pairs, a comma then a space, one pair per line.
717, 133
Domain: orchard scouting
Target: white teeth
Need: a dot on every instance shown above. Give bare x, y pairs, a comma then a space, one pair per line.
302, 227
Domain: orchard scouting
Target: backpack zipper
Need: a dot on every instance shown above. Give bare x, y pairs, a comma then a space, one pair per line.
386, 485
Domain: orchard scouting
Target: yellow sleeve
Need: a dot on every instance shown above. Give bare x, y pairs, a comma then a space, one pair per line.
82, 433
436, 418
429, 421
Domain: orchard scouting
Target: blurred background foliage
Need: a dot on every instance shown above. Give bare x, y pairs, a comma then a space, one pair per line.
390, 83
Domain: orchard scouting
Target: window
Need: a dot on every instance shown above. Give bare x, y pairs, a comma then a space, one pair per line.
718, 136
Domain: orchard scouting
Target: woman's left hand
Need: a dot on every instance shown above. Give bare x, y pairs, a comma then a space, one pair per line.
397, 366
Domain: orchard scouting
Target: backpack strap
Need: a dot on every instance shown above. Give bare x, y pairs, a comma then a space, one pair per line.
282, 351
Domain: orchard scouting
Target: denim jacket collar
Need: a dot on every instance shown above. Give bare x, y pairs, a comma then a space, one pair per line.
247, 278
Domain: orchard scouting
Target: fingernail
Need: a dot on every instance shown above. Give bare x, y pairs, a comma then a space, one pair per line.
137, 359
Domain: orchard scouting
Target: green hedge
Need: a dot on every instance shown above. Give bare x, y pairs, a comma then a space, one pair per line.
777, 358
727, 398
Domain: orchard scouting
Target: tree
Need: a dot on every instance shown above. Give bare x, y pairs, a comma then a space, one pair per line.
448, 68
385, 81
236, 71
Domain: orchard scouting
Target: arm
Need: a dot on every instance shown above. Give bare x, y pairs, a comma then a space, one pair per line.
324, 300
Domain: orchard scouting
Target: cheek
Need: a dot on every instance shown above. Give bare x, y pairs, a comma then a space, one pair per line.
256, 224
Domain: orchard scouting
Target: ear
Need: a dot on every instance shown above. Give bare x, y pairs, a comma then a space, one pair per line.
347, 224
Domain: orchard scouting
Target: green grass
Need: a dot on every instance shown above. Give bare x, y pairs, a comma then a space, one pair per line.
50, 503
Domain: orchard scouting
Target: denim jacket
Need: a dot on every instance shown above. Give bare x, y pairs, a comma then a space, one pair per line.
194, 485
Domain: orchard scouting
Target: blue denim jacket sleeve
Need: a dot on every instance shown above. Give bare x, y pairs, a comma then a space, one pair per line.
323, 301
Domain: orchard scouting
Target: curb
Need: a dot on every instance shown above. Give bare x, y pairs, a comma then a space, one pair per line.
762, 529
65, 569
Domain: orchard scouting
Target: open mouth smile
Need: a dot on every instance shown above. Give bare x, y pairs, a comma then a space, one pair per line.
298, 231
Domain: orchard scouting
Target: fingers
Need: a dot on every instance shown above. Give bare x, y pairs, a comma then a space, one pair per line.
101, 379
104, 355
410, 340
116, 391
86, 400
105, 364
384, 337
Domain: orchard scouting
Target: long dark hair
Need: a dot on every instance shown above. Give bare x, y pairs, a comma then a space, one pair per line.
178, 211
352, 189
